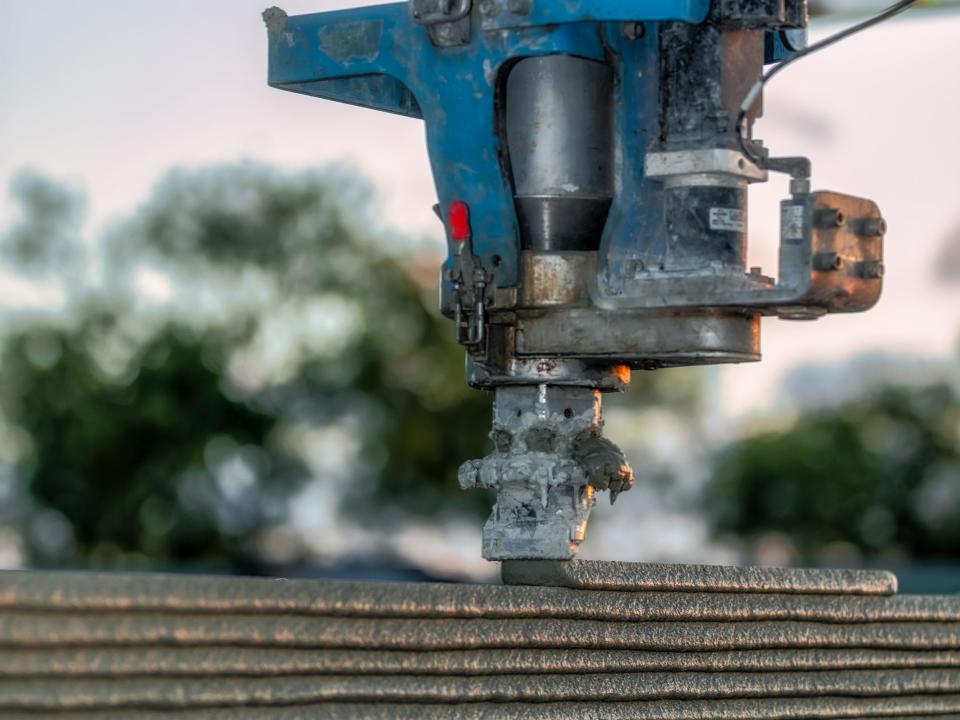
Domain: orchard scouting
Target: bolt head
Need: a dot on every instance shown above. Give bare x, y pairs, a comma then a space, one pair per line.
827, 261
800, 312
830, 218
633, 30
874, 227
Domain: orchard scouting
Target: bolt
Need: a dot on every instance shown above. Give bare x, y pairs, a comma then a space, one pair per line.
519, 7
874, 227
831, 217
633, 30
490, 8
633, 267
827, 261
873, 269
800, 312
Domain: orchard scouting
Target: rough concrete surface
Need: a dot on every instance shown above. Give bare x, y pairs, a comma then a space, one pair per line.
772, 644
606, 575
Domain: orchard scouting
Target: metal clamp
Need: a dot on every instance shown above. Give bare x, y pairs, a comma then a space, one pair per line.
701, 166
431, 12
470, 282
448, 21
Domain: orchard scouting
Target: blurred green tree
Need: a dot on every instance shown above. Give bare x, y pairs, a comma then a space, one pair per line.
881, 472
47, 237
147, 429
158, 463
341, 332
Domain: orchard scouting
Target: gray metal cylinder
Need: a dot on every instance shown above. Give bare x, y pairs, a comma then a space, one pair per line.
560, 140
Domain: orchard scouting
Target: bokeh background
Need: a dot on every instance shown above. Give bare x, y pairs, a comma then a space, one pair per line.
219, 347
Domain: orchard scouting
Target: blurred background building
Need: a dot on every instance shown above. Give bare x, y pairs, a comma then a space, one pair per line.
219, 347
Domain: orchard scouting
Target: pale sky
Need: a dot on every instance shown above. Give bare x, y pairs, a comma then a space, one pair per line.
108, 95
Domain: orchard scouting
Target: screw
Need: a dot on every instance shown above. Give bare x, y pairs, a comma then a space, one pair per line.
873, 269
489, 8
633, 30
874, 227
831, 217
800, 312
827, 261
519, 7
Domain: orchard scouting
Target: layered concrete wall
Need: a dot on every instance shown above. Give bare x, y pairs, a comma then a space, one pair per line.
771, 644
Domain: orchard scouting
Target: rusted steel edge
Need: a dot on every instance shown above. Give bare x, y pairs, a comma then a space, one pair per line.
19, 629
767, 709
166, 593
179, 693
625, 576
267, 662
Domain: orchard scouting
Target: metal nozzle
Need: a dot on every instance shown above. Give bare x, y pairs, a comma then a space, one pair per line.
549, 460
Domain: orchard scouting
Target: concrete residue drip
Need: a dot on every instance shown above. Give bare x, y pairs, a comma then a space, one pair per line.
546, 468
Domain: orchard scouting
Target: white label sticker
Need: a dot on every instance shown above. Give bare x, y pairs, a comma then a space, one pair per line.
791, 222
729, 219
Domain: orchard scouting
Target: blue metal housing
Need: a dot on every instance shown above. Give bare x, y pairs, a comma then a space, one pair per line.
379, 57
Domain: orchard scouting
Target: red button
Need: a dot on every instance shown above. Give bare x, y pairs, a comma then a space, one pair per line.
458, 215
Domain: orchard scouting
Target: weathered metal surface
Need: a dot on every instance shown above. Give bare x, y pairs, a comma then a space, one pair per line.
81, 645
548, 463
606, 575
614, 128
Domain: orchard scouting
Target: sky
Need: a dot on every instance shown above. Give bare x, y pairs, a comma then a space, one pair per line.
107, 96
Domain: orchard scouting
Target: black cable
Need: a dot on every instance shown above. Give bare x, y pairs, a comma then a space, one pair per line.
754, 93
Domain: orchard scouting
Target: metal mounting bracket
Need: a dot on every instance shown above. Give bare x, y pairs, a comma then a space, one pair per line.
447, 21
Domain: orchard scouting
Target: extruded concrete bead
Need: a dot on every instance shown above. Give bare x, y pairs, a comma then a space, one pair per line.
606, 575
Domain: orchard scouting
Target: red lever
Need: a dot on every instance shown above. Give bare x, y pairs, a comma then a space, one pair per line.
458, 215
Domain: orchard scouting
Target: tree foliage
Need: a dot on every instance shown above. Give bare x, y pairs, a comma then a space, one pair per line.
154, 430
881, 472
157, 463
377, 358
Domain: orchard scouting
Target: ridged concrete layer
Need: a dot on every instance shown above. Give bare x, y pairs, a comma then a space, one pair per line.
179, 693
919, 707
32, 629
124, 662
114, 646
202, 594
606, 575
